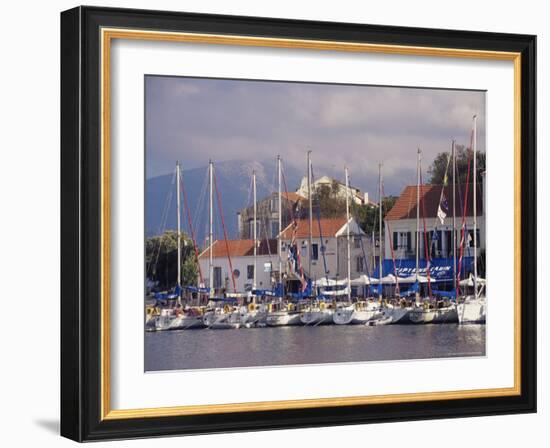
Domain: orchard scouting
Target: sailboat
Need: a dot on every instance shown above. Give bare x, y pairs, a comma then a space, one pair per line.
218, 317
317, 312
254, 314
395, 310
178, 317
281, 313
472, 308
360, 312
427, 310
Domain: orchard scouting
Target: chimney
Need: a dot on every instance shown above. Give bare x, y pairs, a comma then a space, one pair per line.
366, 197
239, 224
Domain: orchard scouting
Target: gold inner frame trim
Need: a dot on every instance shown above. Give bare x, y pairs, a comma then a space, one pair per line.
107, 35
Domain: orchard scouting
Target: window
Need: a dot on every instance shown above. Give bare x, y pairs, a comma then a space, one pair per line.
360, 264
274, 229
357, 243
402, 240
250, 272
275, 204
251, 228
470, 238
315, 251
217, 277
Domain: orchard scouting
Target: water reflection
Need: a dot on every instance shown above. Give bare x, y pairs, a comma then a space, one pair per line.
201, 349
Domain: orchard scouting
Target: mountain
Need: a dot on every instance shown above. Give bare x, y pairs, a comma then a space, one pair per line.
233, 179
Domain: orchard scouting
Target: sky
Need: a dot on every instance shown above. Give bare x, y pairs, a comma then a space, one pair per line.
196, 119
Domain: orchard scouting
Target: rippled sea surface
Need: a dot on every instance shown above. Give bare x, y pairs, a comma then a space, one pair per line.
207, 349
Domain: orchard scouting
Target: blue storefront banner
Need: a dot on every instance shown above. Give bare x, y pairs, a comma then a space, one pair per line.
441, 269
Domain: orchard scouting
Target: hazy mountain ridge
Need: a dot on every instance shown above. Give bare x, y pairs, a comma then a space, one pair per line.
233, 179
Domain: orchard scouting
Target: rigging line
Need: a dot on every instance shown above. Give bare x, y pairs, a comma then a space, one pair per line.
319, 224
201, 205
426, 251
295, 225
248, 205
163, 219
391, 249
190, 224
463, 224
433, 243
225, 233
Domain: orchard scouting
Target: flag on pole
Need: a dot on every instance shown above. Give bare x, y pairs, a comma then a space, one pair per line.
443, 209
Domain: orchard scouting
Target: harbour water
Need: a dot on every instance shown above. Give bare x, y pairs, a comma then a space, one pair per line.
276, 346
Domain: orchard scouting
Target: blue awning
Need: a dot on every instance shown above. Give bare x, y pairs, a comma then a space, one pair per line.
441, 269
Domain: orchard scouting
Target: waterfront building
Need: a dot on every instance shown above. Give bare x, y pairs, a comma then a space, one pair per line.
342, 191
267, 215
329, 236
401, 224
241, 254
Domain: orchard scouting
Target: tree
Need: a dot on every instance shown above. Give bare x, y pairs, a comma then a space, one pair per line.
367, 214
436, 171
161, 259
328, 201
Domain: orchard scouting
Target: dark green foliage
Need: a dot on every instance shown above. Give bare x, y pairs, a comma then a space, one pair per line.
161, 259
436, 171
328, 201
367, 214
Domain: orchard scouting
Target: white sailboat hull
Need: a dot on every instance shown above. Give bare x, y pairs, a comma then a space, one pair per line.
316, 317
164, 321
472, 311
434, 316
398, 315
224, 321
186, 323
254, 318
151, 323
283, 318
351, 316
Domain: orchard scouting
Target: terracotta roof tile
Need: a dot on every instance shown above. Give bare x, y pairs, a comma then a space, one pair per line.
329, 228
292, 196
405, 206
240, 248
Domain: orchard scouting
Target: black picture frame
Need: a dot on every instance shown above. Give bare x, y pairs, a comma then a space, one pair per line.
81, 224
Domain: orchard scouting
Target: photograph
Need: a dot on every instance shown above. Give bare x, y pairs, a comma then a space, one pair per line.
280, 223
298, 223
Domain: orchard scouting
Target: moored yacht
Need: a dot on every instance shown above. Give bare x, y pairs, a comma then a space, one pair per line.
280, 315
317, 314
434, 313
472, 310
357, 313
224, 318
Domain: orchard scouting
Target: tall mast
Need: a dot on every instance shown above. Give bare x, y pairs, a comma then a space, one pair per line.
373, 245
280, 213
255, 229
475, 205
380, 244
211, 231
179, 225
347, 233
453, 155
417, 215
310, 197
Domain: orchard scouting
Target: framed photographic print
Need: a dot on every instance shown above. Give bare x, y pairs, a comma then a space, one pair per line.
273, 223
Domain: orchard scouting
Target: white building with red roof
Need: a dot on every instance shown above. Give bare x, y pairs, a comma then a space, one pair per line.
234, 260
400, 221
328, 235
